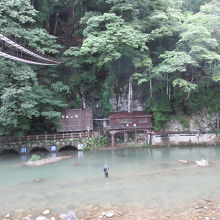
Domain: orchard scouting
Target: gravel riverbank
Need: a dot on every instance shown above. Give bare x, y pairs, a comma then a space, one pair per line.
204, 210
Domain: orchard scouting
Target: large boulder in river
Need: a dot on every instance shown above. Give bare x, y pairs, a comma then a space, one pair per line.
69, 216
203, 163
41, 218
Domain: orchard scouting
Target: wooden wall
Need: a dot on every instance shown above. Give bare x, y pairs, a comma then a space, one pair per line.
76, 120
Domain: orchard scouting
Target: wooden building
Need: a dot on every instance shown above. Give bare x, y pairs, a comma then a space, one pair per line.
129, 120
76, 120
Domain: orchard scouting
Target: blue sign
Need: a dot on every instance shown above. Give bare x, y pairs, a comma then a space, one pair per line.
53, 148
23, 149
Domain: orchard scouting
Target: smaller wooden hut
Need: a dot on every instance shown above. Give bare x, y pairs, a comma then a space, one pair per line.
76, 120
129, 120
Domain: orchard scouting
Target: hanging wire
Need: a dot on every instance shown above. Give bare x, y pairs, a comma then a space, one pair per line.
5, 55
26, 51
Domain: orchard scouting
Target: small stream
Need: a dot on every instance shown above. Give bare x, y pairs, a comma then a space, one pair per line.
149, 177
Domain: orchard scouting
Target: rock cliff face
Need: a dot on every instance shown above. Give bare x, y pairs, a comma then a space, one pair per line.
121, 104
131, 95
175, 125
120, 100
201, 122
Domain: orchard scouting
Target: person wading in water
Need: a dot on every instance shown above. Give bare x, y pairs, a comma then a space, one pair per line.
106, 171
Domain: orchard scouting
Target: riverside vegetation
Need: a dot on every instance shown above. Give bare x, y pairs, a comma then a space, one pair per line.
169, 50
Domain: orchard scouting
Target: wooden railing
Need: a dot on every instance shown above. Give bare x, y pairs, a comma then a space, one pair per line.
5, 139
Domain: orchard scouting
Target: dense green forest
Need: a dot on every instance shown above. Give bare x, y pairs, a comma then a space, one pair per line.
168, 49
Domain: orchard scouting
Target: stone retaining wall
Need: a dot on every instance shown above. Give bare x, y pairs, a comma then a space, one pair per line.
178, 139
49, 145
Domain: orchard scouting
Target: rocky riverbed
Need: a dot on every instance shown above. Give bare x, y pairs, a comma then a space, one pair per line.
46, 161
204, 210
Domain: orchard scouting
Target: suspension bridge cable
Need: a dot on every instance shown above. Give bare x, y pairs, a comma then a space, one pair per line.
5, 55
12, 43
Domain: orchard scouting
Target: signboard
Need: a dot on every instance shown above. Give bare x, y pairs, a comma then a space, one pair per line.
80, 146
53, 148
23, 149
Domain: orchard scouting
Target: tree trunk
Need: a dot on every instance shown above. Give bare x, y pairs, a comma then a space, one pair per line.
130, 95
169, 92
83, 102
151, 88
167, 84
55, 27
217, 121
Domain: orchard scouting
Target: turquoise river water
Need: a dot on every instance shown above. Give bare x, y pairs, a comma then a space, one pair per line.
138, 176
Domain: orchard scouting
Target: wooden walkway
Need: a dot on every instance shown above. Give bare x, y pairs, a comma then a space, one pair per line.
84, 134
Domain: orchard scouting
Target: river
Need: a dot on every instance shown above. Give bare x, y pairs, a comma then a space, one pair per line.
150, 177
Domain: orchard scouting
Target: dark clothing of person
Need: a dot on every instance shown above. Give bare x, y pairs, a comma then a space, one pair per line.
106, 172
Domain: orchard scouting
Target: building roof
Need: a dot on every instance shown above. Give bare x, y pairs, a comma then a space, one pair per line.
125, 114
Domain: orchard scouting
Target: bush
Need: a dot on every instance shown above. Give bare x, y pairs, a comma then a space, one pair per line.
161, 113
94, 142
35, 157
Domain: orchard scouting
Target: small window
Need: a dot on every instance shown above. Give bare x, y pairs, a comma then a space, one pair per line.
76, 116
67, 116
126, 120
142, 120
63, 116
71, 116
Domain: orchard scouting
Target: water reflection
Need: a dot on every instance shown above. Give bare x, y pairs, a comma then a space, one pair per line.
24, 157
137, 176
54, 154
80, 154
165, 152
